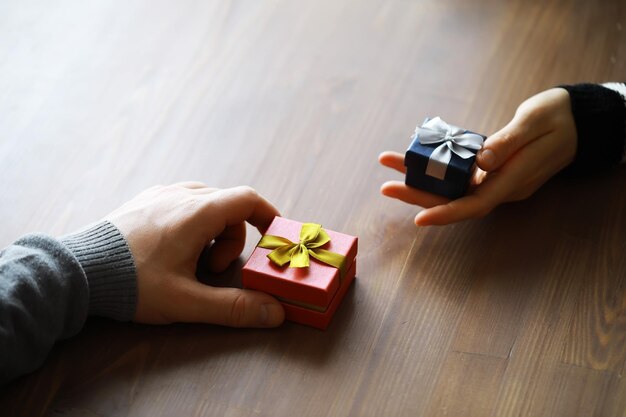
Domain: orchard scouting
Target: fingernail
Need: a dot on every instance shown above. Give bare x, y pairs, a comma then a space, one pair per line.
271, 315
487, 158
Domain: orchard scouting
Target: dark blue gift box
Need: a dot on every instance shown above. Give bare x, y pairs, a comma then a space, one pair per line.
458, 172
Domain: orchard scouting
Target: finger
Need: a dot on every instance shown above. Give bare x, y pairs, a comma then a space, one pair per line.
227, 247
532, 167
478, 176
237, 205
464, 208
232, 307
193, 187
206, 190
190, 184
502, 145
393, 160
401, 191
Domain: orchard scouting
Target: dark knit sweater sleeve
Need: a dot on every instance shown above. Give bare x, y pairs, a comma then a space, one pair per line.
600, 116
48, 287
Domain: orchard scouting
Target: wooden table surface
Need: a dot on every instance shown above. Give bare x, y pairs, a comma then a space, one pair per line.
522, 313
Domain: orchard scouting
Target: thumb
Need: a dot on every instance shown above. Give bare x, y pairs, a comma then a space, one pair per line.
232, 307
502, 145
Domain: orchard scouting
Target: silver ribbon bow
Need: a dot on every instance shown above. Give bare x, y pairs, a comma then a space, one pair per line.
452, 139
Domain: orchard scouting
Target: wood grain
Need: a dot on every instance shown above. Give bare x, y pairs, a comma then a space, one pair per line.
522, 313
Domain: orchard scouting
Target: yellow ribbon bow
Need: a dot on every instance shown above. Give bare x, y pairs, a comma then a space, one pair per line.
312, 237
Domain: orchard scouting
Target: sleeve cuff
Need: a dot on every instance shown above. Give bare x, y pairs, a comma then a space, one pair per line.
600, 117
109, 267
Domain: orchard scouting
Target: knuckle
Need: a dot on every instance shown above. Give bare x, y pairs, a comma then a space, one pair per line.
533, 114
509, 139
247, 189
524, 108
247, 192
238, 311
532, 111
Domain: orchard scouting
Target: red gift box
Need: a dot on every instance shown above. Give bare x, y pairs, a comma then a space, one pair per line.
310, 295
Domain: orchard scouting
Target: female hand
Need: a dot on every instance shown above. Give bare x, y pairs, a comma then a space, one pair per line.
167, 228
513, 163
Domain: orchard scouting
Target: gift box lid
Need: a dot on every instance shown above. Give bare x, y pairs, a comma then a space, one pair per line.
417, 155
315, 285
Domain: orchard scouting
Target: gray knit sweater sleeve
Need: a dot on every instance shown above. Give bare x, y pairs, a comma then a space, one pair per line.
49, 286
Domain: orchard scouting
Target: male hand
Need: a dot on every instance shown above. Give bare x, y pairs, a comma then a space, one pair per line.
168, 227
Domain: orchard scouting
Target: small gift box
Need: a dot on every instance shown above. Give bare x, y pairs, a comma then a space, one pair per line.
308, 269
441, 158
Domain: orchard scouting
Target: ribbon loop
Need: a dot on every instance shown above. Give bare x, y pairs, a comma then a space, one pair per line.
282, 255
297, 255
453, 139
